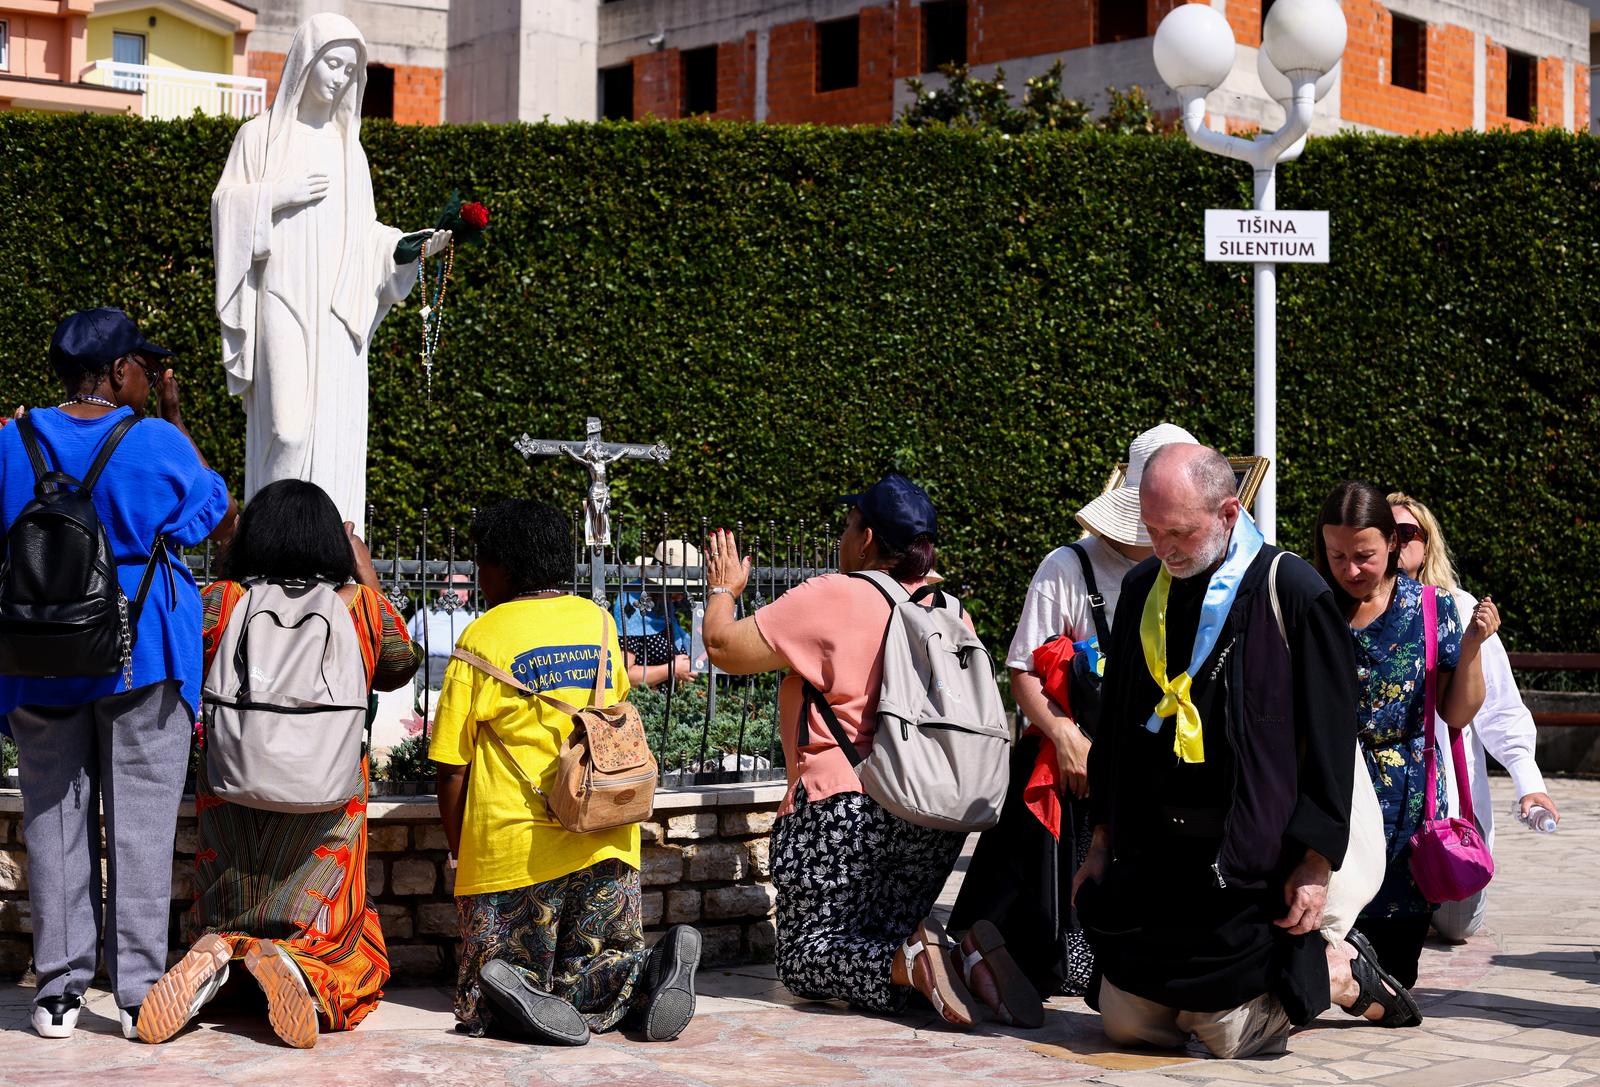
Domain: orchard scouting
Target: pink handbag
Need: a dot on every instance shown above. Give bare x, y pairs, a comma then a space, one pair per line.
1449, 859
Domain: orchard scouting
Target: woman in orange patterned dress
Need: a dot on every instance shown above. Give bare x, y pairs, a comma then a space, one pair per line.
287, 892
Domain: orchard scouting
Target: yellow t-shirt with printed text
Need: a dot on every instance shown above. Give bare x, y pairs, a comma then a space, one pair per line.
508, 838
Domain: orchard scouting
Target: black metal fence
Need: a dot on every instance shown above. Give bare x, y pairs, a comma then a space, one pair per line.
710, 729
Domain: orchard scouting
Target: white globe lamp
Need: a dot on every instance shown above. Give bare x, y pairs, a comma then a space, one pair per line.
1304, 38
1281, 90
1194, 50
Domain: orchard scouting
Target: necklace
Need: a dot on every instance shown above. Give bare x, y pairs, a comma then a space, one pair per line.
87, 399
433, 309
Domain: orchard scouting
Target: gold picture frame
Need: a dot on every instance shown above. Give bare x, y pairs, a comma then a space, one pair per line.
1248, 472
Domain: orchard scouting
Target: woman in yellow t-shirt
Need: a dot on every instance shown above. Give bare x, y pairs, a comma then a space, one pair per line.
552, 942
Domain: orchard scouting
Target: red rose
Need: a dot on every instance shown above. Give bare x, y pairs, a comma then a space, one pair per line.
475, 215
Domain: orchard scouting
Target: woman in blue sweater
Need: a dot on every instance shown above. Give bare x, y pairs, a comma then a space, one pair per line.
122, 739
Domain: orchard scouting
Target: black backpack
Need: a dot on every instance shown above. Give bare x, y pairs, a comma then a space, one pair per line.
1084, 684
62, 612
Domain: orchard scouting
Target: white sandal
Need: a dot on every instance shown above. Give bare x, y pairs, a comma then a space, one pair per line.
945, 991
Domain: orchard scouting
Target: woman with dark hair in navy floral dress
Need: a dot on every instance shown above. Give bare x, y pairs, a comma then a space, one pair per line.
1357, 551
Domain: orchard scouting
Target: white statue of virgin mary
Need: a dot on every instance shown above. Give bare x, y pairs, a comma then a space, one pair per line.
305, 272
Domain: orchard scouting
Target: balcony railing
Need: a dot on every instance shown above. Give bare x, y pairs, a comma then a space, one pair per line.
178, 92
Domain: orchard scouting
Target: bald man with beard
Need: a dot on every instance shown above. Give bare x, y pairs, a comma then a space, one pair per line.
1220, 785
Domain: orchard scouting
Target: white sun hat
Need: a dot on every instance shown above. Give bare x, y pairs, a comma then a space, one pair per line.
1114, 514
668, 562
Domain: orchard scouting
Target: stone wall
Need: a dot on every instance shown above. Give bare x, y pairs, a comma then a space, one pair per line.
704, 863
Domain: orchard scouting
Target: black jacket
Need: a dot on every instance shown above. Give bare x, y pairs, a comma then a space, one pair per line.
1291, 725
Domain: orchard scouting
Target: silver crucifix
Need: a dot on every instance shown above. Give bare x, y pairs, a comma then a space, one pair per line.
597, 456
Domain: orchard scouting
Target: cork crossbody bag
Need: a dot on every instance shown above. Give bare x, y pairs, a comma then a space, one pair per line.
605, 774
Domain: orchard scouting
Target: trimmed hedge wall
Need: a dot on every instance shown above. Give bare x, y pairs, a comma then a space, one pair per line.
796, 309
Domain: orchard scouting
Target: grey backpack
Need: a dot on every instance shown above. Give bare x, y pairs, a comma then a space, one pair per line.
941, 754
285, 700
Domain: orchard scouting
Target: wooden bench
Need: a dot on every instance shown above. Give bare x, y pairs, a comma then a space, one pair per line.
1546, 709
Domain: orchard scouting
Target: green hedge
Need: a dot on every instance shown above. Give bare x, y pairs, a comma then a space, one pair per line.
796, 309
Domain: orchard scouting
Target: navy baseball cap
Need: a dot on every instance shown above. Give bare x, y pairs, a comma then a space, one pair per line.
896, 509
92, 339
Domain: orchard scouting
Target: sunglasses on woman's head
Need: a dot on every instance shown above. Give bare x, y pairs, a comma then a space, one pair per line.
1408, 533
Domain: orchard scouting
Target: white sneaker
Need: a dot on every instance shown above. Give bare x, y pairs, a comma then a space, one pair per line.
57, 1016
130, 1023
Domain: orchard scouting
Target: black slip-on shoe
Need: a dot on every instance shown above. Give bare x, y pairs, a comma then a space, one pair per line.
533, 1013
669, 984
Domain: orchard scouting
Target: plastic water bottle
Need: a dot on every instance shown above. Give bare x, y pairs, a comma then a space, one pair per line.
1539, 818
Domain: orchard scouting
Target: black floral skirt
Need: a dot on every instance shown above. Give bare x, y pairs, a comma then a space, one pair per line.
853, 882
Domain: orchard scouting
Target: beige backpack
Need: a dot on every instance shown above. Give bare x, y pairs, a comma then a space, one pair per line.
285, 700
605, 774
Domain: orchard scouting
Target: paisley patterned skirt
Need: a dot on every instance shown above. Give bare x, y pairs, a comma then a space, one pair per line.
579, 936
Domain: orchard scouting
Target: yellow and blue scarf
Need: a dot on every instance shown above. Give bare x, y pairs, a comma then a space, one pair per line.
1243, 548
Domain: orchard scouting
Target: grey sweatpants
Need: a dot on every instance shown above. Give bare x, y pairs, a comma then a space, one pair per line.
131, 749
1455, 921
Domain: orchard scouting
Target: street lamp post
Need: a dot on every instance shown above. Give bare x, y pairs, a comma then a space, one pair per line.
1302, 42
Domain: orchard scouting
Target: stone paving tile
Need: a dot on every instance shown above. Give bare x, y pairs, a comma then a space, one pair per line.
1143, 1079
1326, 1044
1359, 1071
1462, 1073
1559, 1077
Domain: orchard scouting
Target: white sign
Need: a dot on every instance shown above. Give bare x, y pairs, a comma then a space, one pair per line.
1285, 237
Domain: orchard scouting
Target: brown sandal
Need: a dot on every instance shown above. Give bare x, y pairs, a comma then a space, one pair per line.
1018, 1004
928, 966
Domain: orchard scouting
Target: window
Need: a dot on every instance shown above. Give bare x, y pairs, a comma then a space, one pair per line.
616, 93
944, 33
5, 46
1408, 54
839, 54
1522, 89
1119, 21
378, 100
699, 81
127, 48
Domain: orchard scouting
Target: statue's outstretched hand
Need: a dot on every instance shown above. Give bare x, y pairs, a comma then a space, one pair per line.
436, 242
307, 190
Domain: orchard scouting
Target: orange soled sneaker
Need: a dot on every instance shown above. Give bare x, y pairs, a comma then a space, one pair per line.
184, 990
291, 1009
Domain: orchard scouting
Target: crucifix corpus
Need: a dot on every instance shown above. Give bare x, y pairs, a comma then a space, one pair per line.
597, 456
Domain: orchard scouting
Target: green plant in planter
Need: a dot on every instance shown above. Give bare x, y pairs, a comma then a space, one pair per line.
751, 707
408, 761
8, 754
